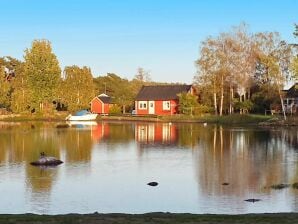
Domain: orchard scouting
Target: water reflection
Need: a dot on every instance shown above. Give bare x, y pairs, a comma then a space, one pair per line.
101, 156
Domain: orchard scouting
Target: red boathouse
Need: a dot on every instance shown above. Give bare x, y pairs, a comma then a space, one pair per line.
101, 104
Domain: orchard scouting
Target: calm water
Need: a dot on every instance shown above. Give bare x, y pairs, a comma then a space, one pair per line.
108, 165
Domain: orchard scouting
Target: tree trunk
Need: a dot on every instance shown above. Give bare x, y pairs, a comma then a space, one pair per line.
123, 109
215, 103
221, 100
231, 109
282, 104
221, 95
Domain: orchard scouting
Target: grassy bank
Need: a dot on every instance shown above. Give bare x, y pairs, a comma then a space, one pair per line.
150, 218
235, 119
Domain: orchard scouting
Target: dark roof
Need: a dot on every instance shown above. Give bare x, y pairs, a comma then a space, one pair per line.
293, 91
104, 98
162, 92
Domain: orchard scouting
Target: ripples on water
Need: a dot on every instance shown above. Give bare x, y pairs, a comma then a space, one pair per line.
107, 167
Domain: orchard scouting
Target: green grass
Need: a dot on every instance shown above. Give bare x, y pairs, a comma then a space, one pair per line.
280, 186
235, 119
149, 218
295, 185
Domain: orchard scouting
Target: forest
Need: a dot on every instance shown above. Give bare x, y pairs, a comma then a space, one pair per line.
237, 72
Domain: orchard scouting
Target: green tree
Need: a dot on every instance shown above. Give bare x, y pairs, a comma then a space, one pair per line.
77, 88
187, 103
5, 88
22, 94
11, 67
41, 69
121, 90
294, 66
273, 62
296, 30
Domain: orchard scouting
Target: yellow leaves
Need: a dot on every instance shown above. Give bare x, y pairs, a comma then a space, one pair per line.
294, 67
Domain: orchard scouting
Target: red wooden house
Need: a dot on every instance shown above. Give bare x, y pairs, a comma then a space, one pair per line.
101, 104
160, 100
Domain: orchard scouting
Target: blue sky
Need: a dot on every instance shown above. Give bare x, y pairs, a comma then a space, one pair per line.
118, 36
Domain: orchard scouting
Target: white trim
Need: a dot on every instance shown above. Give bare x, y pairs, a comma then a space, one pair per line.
166, 105
151, 107
142, 105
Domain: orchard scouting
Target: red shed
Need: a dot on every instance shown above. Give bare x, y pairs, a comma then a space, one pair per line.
101, 104
160, 100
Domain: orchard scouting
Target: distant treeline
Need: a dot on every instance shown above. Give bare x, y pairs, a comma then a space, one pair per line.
238, 71
38, 84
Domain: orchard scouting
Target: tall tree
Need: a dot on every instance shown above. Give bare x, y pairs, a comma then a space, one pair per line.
5, 88
142, 75
22, 93
208, 70
42, 69
294, 65
296, 30
77, 88
273, 56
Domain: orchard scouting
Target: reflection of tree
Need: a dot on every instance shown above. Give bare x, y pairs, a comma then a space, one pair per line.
121, 132
189, 134
246, 158
77, 144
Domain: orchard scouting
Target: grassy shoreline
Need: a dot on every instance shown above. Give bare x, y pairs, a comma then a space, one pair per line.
235, 119
97, 218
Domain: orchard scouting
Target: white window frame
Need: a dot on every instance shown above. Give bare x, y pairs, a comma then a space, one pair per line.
166, 105
143, 105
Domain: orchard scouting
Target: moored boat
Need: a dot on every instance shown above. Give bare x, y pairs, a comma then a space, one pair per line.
82, 115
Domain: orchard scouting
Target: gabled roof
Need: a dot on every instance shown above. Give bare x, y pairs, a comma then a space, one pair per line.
293, 91
162, 92
104, 98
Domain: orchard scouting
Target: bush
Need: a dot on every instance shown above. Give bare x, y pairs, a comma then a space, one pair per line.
115, 109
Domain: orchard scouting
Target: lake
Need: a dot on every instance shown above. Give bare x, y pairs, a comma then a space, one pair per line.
107, 166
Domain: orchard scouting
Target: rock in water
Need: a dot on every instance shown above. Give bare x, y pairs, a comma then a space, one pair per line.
253, 200
152, 184
46, 161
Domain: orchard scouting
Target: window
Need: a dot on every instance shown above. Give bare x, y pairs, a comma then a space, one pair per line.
142, 105
166, 105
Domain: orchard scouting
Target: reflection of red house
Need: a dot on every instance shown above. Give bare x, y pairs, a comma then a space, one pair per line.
101, 104
100, 131
160, 100
156, 133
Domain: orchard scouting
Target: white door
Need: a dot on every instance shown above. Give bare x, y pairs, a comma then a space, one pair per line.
151, 107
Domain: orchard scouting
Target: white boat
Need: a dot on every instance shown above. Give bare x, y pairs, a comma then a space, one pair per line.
81, 116
84, 123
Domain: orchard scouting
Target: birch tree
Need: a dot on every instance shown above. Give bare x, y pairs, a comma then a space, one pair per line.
208, 70
273, 57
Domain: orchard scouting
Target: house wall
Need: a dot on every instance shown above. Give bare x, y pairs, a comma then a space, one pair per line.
158, 104
98, 107
99, 132
158, 133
